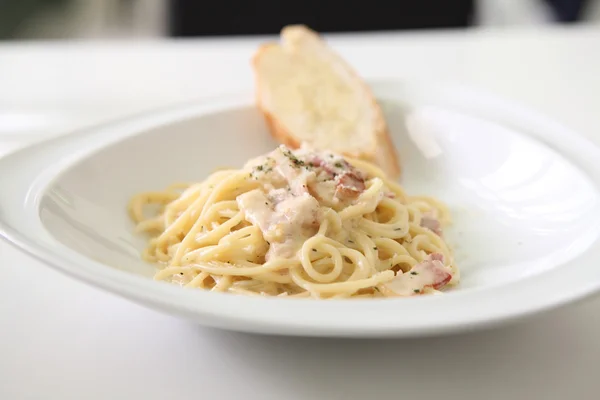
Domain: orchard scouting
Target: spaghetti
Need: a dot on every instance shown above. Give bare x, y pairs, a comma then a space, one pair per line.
298, 223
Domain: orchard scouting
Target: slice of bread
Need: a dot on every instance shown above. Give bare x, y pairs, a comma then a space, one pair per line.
309, 94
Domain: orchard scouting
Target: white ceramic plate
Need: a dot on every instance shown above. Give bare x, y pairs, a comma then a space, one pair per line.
524, 192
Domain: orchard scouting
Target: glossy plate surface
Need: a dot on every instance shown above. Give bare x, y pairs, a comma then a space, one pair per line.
524, 193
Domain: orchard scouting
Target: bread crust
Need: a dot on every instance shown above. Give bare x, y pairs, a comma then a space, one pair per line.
384, 153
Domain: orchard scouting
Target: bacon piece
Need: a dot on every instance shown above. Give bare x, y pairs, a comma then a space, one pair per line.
348, 180
432, 224
436, 257
348, 185
435, 265
430, 273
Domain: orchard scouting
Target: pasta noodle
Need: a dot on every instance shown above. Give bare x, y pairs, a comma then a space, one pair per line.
297, 223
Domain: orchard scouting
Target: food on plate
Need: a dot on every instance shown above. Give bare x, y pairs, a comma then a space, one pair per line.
320, 216
298, 223
309, 94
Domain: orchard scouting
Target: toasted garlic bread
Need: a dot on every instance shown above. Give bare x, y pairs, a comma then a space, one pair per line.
309, 94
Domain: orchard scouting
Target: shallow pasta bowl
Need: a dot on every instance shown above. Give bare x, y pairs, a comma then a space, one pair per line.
523, 190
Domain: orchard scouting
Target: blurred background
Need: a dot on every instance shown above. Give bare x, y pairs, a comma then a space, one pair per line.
63, 19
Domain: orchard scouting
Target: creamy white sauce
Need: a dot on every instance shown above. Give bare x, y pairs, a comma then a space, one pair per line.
287, 207
285, 224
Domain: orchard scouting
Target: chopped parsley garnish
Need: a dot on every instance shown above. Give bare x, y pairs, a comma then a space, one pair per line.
414, 273
338, 164
293, 158
350, 241
416, 291
260, 168
374, 248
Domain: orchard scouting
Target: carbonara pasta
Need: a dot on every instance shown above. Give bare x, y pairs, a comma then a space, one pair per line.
298, 223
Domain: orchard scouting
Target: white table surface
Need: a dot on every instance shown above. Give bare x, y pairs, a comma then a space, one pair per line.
60, 339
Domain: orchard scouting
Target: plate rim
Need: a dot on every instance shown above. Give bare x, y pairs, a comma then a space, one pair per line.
330, 318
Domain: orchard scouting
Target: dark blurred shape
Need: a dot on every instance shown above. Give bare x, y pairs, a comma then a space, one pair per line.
568, 10
13, 13
242, 17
